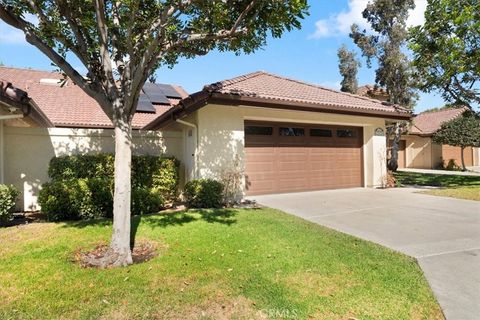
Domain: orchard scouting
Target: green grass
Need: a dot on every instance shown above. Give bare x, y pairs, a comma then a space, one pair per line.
467, 193
227, 264
455, 186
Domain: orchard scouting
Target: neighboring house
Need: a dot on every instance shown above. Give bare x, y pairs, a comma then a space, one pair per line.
417, 149
284, 135
41, 117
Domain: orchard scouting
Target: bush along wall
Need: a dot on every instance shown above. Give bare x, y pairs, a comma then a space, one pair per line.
204, 193
8, 197
81, 186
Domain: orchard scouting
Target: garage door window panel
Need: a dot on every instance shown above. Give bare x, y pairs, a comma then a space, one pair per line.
258, 130
292, 132
321, 133
346, 133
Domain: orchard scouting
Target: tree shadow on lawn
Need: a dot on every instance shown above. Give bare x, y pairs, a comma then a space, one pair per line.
165, 219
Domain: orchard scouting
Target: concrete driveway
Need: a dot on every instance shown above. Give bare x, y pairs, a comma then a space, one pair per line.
443, 234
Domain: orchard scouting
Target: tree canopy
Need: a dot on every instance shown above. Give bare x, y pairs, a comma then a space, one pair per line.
385, 44
446, 50
121, 43
348, 66
462, 131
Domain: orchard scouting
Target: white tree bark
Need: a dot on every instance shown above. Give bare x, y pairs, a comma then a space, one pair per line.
120, 244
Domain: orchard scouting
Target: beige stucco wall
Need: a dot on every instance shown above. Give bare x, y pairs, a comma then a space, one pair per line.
222, 139
476, 156
422, 153
29, 150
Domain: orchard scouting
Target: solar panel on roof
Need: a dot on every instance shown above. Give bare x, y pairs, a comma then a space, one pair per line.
144, 104
169, 91
155, 94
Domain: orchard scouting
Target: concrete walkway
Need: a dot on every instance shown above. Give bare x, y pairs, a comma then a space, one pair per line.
474, 171
443, 234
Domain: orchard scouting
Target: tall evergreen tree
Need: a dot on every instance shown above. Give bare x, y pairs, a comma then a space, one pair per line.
388, 21
348, 66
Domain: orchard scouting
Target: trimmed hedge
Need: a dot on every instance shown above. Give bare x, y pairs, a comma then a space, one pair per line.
8, 196
81, 186
71, 200
147, 171
204, 193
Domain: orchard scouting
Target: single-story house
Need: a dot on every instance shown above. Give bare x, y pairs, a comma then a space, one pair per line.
284, 135
279, 134
417, 150
51, 118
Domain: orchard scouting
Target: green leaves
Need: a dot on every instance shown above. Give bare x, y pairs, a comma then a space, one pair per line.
348, 66
463, 131
387, 19
142, 35
446, 50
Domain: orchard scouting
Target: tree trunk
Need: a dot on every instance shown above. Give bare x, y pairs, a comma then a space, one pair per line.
393, 161
464, 168
120, 246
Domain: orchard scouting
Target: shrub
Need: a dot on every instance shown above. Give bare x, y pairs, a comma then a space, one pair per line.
8, 197
147, 171
146, 201
81, 167
204, 193
452, 166
231, 179
102, 195
82, 186
76, 199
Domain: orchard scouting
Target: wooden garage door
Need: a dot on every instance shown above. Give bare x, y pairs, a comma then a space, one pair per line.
286, 157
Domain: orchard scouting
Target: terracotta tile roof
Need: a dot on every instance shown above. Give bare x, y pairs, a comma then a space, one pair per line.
269, 86
69, 106
429, 122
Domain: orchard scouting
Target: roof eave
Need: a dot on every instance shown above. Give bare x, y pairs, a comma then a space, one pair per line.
303, 106
202, 98
28, 108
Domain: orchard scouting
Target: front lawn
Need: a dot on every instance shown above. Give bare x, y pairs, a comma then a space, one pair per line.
456, 186
220, 264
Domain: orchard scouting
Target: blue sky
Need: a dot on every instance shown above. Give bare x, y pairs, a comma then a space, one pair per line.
309, 54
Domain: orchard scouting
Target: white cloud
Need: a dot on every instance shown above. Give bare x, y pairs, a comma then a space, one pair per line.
335, 85
339, 24
12, 36
321, 29
9, 35
417, 15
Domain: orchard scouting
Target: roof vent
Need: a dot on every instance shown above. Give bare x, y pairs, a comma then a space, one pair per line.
51, 82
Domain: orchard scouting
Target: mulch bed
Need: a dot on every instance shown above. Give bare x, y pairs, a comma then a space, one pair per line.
142, 251
22, 218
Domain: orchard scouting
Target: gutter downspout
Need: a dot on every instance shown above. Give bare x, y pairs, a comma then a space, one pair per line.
194, 126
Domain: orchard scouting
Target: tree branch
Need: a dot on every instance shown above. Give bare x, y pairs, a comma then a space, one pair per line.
81, 43
109, 81
92, 90
241, 17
